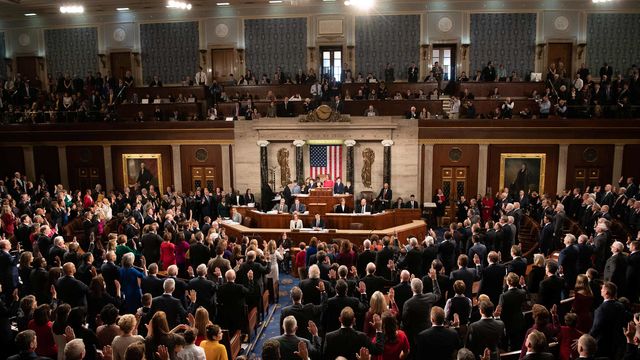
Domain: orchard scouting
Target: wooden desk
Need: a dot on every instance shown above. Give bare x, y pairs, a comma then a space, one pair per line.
323, 202
369, 222
129, 111
164, 92
415, 228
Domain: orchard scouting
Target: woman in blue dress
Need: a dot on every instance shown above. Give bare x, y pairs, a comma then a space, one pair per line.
130, 279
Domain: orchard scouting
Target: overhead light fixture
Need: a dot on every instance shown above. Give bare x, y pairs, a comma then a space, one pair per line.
600, 1
72, 9
275, 1
360, 4
123, 9
223, 4
30, 14
178, 5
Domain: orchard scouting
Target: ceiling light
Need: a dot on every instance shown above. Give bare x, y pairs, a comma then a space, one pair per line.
361, 4
30, 14
72, 9
122, 9
222, 4
275, 1
600, 1
178, 5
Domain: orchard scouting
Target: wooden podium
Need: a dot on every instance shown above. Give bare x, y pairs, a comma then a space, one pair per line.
322, 200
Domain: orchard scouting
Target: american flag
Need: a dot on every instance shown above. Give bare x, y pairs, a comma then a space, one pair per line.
325, 159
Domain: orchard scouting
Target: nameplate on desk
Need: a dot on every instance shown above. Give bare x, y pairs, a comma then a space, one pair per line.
156, 101
251, 205
272, 212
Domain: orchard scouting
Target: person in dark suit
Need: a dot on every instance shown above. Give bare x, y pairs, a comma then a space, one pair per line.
444, 283
615, 269
151, 283
382, 259
285, 109
412, 113
206, 204
486, 332
206, 290
302, 313
467, 275
317, 222
402, 292
385, 196
492, 280
232, 301
180, 288
608, 321
8, 268
290, 342
437, 342
373, 282
249, 198
365, 257
607, 71
199, 253
337, 104
110, 272
236, 199
550, 291
568, 262
416, 312
342, 208
545, 239
334, 306
412, 203
144, 176
412, 261
347, 342
632, 276
338, 187
298, 207
259, 270
310, 287
173, 308
412, 73
518, 264
151, 242
536, 344
608, 198
511, 302
585, 253
70, 290
363, 207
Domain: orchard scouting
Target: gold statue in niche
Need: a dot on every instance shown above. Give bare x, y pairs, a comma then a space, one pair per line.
368, 157
285, 171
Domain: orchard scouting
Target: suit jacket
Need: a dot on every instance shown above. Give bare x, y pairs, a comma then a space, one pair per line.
632, 276
412, 205
485, 333
402, 294
231, 304
110, 272
568, 259
492, 281
615, 270
338, 188
382, 260
310, 293
364, 258
374, 283
608, 316
388, 197
437, 342
416, 314
199, 253
300, 208
347, 342
206, 293
518, 266
413, 262
512, 301
367, 209
340, 210
237, 200
8, 272
317, 224
152, 285
71, 291
333, 307
289, 346
172, 307
468, 275
303, 314
285, 208
545, 239
550, 291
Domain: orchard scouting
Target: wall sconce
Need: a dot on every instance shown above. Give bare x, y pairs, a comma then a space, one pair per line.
465, 48
136, 58
311, 53
203, 52
540, 50
240, 56
9, 63
425, 51
103, 59
581, 48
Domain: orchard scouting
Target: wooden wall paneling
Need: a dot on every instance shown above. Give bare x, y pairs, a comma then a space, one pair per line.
47, 163
630, 165
164, 150
468, 158
589, 157
551, 166
12, 161
85, 166
28, 68
192, 156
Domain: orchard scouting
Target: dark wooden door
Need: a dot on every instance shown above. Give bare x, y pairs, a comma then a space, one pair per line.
561, 52
454, 184
120, 64
223, 61
27, 66
202, 176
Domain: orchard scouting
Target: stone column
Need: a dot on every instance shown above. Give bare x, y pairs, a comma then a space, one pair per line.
264, 174
386, 162
428, 172
563, 155
176, 162
226, 167
299, 144
62, 164
29, 163
617, 163
483, 158
108, 168
350, 163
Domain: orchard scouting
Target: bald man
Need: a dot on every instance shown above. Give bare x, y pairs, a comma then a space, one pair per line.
403, 291
232, 300
71, 290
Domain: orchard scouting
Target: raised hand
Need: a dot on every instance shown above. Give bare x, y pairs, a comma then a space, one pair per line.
54, 293
303, 351
554, 310
191, 319
320, 286
391, 295
364, 354
192, 295
69, 334
498, 311
163, 352
313, 328
432, 274
250, 275
362, 288
630, 332
377, 322
456, 320
217, 272
107, 352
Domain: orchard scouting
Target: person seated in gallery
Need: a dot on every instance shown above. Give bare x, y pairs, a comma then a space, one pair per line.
412, 113
338, 187
342, 208
399, 204
317, 223
371, 111
295, 223
281, 207
363, 207
297, 207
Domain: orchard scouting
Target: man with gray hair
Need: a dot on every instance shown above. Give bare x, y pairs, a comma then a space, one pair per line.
232, 300
615, 269
413, 259
310, 287
181, 285
173, 308
289, 342
302, 313
74, 350
57, 250
206, 290
568, 262
416, 312
365, 257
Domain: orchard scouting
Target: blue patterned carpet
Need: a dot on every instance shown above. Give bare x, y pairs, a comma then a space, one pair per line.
273, 322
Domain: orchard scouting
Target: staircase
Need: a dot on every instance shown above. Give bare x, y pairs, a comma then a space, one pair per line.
528, 236
446, 105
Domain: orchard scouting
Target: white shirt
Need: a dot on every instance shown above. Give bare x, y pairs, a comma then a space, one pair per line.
455, 106
578, 83
191, 352
201, 78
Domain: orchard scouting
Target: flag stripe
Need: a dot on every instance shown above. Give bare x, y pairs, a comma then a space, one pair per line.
325, 159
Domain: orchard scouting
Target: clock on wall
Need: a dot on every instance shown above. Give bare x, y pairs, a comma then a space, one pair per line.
119, 34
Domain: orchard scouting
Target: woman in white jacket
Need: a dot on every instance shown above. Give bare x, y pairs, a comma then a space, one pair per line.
275, 255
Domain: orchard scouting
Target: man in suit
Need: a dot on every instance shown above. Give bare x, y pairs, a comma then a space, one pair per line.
417, 310
412, 203
206, 204
199, 253
236, 199
285, 109
342, 208
219, 262
365, 257
281, 207
363, 207
317, 222
600, 241
412, 73
511, 302
437, 342
518, 264
632, 276
478, 248
151, 242
298, 207
232, 301
172, 307
412, 261
302, 313
412, 113
492, 278
550, 291
110, 272
382, 259
337, 105
568, 262
608, 198
310, 287
585, 252
338, 187
402, 292
180, 286
536, 344
335, 305
347, 342
385, 196
486, 332
373, 282
467, 275
608, 321
615, 269
289, 341
70, 290
206, 290
607, 71
545, 239
258, 270
151, 283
